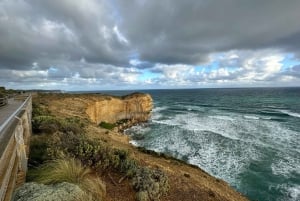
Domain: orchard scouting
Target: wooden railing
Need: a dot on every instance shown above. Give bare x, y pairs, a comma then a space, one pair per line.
14, 149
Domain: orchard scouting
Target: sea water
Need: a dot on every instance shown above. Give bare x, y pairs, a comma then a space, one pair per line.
248, 137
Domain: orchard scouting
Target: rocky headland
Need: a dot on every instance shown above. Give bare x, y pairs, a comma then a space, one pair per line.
103, 119
124, 111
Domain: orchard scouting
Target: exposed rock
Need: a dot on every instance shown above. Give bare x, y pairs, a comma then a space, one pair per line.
58, 192
134, 108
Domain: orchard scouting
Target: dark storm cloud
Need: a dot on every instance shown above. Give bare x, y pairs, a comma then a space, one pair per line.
43, 31
176, 31
61, 33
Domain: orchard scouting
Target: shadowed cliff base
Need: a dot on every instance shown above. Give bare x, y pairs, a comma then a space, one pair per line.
72, 121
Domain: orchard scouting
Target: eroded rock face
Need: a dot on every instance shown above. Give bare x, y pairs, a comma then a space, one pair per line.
134, 107
40, 192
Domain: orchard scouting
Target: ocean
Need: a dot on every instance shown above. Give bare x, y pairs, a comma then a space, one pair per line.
249, 137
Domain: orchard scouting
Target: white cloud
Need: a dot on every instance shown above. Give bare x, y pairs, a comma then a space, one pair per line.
234, 68
174, 72
135, 62
120, 36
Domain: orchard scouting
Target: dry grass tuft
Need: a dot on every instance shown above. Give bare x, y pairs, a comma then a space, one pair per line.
72, 171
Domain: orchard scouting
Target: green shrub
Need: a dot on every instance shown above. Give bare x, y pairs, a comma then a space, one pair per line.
37, 110
38, 150
72, 124
107, 125
51, 124
102, 157
45, 124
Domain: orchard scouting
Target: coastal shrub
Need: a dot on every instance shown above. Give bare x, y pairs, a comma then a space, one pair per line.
102, 157
72, 124
51, 124
38, 150
107, 125
37, 110
150, 184
45, 124
96, 154
72, 171
63, 143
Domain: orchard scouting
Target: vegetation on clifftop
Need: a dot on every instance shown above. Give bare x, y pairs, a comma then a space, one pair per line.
106, 125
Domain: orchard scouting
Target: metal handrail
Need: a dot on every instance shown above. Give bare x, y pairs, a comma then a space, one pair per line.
14, 114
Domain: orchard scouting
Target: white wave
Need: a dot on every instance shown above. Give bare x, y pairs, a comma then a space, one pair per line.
221, 117
194, 108
220, 160
288, 112
294, 193
158, 109
137, 129
254, 117
290, 192
156, 112
286, 166
166, 122
156, 115
266, 118
235, 127
215, 124
251, 117
223, 161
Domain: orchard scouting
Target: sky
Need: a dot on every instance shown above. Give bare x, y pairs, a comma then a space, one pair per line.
139, 44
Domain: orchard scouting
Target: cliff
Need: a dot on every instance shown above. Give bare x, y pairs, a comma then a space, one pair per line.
135, 107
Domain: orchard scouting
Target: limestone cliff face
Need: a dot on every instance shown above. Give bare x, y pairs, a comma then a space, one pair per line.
134, 107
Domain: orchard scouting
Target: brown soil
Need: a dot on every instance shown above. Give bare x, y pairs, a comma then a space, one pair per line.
186, 182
